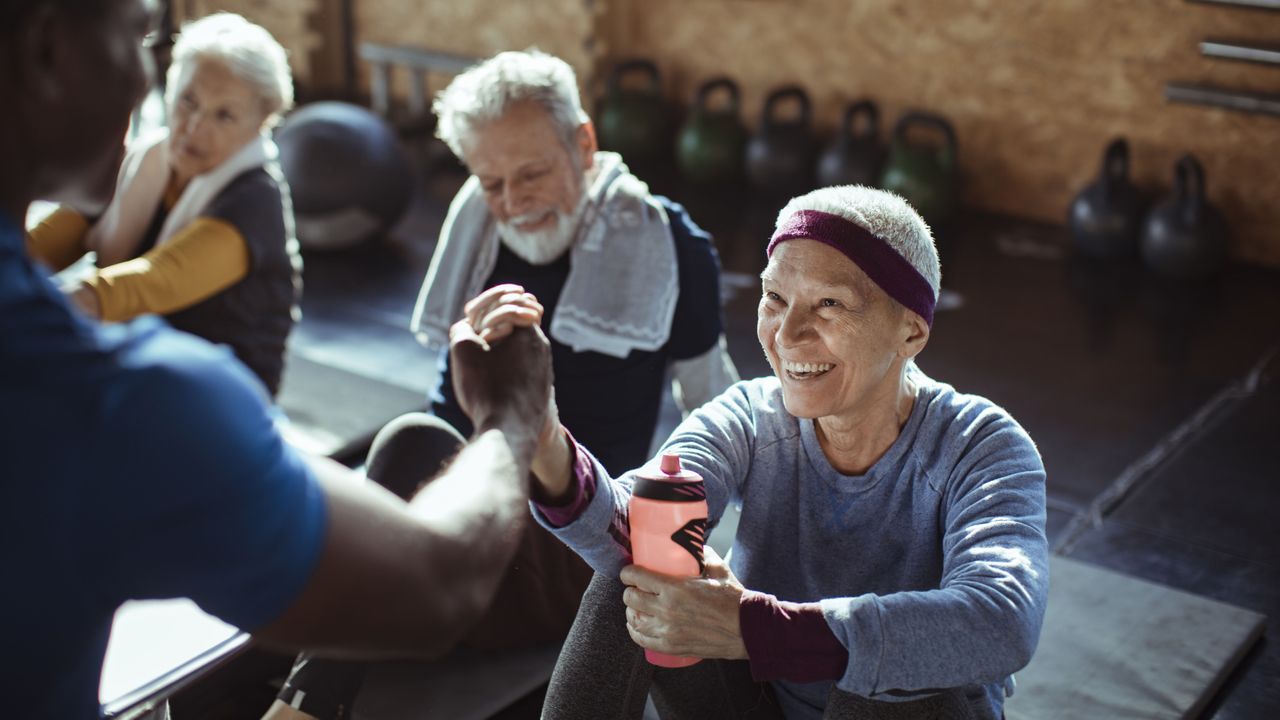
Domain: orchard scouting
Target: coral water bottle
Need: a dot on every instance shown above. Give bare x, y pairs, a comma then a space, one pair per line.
668, 528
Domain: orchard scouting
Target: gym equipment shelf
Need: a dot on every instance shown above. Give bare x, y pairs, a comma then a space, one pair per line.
1264, 53
1259, 4
1240, 100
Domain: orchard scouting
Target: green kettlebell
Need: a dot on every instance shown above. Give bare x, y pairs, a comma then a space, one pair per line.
631, 119
780, 157
709, 148
925, 174
854, 157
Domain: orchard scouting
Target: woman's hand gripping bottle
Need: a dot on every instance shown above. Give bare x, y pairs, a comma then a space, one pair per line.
668, 529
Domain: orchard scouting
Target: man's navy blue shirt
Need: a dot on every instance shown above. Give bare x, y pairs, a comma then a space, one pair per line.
136, 462
611, 404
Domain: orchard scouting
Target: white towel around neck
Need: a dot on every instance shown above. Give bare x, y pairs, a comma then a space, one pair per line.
116, 236
622, 287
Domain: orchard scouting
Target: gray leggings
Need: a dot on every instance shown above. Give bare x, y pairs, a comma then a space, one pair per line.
602, 673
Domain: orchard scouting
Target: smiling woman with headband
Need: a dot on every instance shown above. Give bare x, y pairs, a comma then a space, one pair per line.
200, 229
890, 559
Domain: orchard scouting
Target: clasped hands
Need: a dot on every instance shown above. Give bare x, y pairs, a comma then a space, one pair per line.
501, 361
679, 616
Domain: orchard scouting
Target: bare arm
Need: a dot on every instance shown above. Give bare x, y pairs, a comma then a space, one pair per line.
397, 579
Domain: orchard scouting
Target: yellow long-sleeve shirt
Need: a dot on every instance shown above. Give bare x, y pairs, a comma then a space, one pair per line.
200, 260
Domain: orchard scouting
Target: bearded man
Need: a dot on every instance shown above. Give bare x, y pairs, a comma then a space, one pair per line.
629, 286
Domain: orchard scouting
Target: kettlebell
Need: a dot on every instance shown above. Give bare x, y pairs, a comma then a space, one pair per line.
1106, 217
781, 156
924, 174
632, 119
709, 147
854, 157
1185, 236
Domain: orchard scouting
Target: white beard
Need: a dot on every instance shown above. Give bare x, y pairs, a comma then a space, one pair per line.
541, 247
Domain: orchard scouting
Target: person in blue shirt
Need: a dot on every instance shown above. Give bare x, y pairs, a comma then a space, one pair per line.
138, 462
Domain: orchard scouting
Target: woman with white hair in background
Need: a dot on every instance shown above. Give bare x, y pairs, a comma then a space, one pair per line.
890, 560
200, 229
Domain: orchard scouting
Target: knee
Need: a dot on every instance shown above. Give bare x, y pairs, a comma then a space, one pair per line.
411, 450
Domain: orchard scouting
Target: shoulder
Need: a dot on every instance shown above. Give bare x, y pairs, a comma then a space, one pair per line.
255, 197
696, 257
757, 401
970, 428
683, 226
183, 394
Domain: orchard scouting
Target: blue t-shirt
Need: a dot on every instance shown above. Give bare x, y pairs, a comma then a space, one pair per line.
136, 462
611, 404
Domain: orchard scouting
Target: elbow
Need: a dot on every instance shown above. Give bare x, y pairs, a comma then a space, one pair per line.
450, 601
1018, 640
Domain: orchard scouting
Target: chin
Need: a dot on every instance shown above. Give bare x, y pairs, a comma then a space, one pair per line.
801, 409
92, 190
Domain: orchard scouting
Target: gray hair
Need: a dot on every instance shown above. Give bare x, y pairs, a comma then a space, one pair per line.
484, 93
248, 50
882, 214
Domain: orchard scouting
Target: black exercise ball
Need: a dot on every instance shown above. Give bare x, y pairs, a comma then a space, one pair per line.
348, 174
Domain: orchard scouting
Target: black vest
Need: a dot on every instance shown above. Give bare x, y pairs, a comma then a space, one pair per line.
254, 316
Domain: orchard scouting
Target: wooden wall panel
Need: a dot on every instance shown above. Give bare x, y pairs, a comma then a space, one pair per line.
480, 28
1035, 89
290, 21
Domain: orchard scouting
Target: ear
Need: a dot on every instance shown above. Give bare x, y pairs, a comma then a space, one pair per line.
915, 335
41, 48
587, 146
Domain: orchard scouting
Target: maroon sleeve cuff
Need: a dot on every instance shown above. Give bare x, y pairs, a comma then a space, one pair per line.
583, 488
789, 641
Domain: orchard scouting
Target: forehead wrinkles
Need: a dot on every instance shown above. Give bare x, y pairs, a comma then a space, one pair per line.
819, 270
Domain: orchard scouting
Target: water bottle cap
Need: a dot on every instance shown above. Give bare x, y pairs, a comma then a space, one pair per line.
670, 464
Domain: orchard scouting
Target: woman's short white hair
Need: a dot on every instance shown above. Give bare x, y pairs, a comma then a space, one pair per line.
484, 93
248, 51
883, 214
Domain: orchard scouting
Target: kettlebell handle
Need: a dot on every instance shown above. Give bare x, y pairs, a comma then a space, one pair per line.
708, 88
781, 95
1189, 186
1115, 161
864, 108
633, 67
937, 122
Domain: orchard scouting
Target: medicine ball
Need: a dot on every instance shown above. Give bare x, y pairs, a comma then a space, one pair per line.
348, 174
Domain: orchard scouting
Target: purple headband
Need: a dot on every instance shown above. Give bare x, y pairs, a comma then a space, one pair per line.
874, 256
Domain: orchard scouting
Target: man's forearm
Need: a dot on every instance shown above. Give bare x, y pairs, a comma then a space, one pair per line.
486, 483
476, 510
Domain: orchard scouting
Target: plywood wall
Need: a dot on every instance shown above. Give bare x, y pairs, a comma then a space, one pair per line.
480, 28
292, 22
1035, 89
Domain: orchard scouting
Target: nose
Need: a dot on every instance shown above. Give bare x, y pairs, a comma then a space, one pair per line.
514, 198
194, 125
795, 327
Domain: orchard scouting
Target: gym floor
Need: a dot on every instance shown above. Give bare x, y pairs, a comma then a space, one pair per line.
1154, 404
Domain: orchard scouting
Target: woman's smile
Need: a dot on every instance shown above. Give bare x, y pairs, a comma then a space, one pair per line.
805, 371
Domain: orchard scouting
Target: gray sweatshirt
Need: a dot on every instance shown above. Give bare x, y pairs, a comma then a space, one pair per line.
931, 569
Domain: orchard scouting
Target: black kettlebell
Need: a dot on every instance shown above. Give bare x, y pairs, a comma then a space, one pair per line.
709, 147
781, 156
926, 175
1185, 236
854, 157
1106, 217
632, 119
